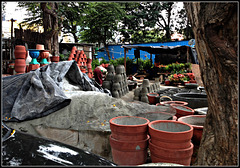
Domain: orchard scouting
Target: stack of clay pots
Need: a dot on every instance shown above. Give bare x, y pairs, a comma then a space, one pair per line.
81, 59
116, 82
129, 140
170, 142
89, 67
141, 93
72, 54
20, 59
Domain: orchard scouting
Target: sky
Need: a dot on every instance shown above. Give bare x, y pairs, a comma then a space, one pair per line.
11, 12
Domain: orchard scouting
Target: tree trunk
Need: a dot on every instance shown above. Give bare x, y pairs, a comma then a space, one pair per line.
215, 29
50, 24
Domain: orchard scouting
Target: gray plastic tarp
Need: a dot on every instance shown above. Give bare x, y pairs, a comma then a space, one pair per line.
38, 93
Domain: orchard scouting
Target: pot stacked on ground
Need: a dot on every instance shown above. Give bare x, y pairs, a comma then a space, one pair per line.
89, 67
44, 55
72, 54
145, 90
129, 140
20, 59
182, 110
116, 82
170, 142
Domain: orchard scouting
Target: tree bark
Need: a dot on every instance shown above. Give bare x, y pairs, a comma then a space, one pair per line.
50, 24
215, 28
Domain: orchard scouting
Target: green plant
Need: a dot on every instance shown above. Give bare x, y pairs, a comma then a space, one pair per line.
64, 57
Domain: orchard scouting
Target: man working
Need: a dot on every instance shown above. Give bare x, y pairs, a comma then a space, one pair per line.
98, 75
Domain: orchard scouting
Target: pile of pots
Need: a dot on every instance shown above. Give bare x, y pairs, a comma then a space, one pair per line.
169, 141
145, 92
84, 63
20, 59
116, 82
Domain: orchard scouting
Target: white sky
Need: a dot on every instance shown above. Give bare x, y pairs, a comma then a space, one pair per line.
11, 12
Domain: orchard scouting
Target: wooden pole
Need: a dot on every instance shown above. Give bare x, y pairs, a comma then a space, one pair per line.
187, 54
125, 64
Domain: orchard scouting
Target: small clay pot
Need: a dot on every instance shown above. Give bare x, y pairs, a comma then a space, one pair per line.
20, 66
40, 47
54, 59
20, 52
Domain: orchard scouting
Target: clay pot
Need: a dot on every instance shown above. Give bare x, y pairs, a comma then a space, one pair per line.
20, 66
115, 94
129, 128
174, 102
71, 57
106, 84
117, 78
89, 61
167, 83
167, 155
89, 65
129, 152
152, 97
170, 134
116, 86
111, 69
197, 122
83, 70
33, 67
54, 59
40, 47
145, 83
182, 110
44, 55
152, 116
20, 52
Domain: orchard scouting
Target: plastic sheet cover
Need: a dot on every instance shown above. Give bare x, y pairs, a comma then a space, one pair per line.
39, 93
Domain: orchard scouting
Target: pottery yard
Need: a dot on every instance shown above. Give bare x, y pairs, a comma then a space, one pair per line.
80, 112
120, 83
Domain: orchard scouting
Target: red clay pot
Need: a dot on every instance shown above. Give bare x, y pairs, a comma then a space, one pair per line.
167, 83
20, 52
71, 57
152, 116
40, 47
54, 59
182, 110
89, 61
152, 97
129, 128
197, 122
129, 152
83, 70
20, 66
170, 134
166, 155
33, 67
174, 102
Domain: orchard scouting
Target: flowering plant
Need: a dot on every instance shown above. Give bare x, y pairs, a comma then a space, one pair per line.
177, 78
191, 76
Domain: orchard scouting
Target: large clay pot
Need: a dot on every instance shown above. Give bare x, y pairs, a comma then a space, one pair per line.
20, 52
182, 110
129, 128
197, 122
170, 134
129, 152
71, 57
152, 97
167, 155
152, 116
174, 102
20, 66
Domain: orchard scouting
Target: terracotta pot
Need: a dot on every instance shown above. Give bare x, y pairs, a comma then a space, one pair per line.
129, 128
174, 102
82, 52
20, 52
83, 70
170, 134
167, 83
89, 61
20, 66
90, 70
44, 55
71, 57
152, 97
33, 67
152, 116
192, 81
54, 59
40, 47
167, 155
182, 110
129, 152
197, 122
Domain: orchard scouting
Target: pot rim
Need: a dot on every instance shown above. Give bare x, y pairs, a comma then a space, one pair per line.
174, 102
173, 121
145, 124
173, 105
188, 116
